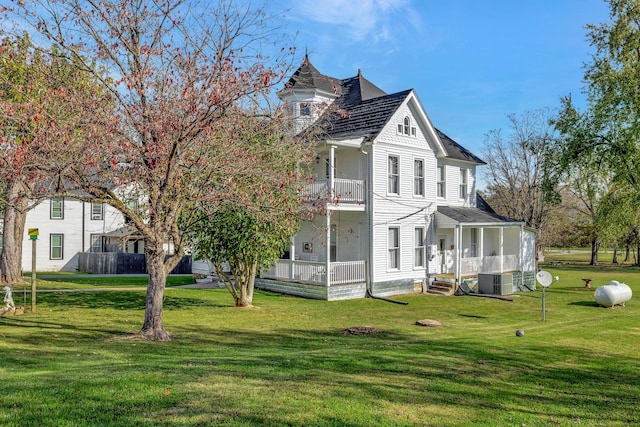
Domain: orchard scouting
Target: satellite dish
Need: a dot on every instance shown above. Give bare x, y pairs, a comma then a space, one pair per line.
544, 278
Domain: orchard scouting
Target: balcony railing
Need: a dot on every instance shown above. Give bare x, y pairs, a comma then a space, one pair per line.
345, 190
488, 264
315, 272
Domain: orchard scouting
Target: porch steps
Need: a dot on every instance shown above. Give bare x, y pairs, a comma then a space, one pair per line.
442, 287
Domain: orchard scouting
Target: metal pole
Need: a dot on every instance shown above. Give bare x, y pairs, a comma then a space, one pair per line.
33, 275
543, 309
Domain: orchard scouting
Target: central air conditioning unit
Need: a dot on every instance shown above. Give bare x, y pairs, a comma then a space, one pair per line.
495, 284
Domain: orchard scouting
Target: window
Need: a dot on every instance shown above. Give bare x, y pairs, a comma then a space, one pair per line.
394, 248
305, 109
96, 211
473, 249
405, 127
394, 175
419, 247
56, 242
96, 242
441, 182
418, 177
57, 208
463, 183
132, 204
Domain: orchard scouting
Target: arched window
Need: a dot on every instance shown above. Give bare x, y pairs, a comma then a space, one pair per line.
407, 125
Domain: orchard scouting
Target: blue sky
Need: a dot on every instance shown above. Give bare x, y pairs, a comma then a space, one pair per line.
471, 62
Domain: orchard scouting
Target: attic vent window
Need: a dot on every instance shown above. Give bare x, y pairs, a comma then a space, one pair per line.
405, 127
305, 109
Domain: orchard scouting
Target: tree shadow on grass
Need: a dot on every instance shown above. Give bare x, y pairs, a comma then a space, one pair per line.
118, 300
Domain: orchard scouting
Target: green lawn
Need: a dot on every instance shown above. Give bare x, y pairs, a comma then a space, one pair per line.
72, 363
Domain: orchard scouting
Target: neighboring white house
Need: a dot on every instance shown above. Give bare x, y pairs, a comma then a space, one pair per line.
399, 204
66, 227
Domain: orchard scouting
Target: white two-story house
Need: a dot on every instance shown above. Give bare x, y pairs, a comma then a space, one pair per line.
396, 200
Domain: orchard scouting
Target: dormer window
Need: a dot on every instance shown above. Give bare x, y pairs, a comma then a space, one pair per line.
305, 109
405, 127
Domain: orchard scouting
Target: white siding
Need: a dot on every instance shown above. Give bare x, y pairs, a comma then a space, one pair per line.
402, 210
452, 192
76, 228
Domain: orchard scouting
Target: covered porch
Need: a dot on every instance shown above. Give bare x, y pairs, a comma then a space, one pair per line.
471, 241
326, 257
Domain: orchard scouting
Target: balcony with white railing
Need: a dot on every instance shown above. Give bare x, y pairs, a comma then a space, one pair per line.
345, 191
310, 272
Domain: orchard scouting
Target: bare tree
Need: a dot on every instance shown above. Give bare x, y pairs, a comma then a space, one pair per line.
516, 166
182, 74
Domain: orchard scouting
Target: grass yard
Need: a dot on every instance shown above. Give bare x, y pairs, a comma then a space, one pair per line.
72, 362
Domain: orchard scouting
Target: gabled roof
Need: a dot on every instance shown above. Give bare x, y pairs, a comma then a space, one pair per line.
482, 214
365, 118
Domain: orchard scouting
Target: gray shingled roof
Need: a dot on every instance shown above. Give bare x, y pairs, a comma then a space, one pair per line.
364, 108
308, 77
482, 214
457, 151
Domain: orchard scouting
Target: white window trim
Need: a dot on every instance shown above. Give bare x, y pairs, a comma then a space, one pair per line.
397, 175
464, 184
395, 248
421, 246
422, 178
51, 246
441, 179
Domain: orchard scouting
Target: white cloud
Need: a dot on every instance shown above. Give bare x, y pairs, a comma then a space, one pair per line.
358, 20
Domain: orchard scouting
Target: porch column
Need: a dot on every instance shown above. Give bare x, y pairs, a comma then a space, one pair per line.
480, 253
332, 189
292, 258
327, 236
520, 257
457, 252
501, 249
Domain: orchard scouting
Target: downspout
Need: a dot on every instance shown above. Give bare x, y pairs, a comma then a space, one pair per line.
83, 225
458, 253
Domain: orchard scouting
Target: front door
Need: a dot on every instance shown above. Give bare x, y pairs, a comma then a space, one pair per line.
442, 254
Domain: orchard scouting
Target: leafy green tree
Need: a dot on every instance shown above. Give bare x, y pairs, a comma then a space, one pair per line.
608, 131
253, 227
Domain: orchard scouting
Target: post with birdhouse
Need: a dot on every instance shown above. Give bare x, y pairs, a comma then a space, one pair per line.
33, 235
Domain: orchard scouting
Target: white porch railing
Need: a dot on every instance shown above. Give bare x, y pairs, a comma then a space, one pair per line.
315, 272
345, 190
488, 264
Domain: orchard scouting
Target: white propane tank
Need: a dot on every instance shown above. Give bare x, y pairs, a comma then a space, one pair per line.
615, 293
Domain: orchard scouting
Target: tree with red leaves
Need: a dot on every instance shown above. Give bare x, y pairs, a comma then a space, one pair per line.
182, 74
43, 103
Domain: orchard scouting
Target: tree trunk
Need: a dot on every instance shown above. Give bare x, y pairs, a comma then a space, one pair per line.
594, 252
153, 329
615, 256
15, 213
627, 253
245, 299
